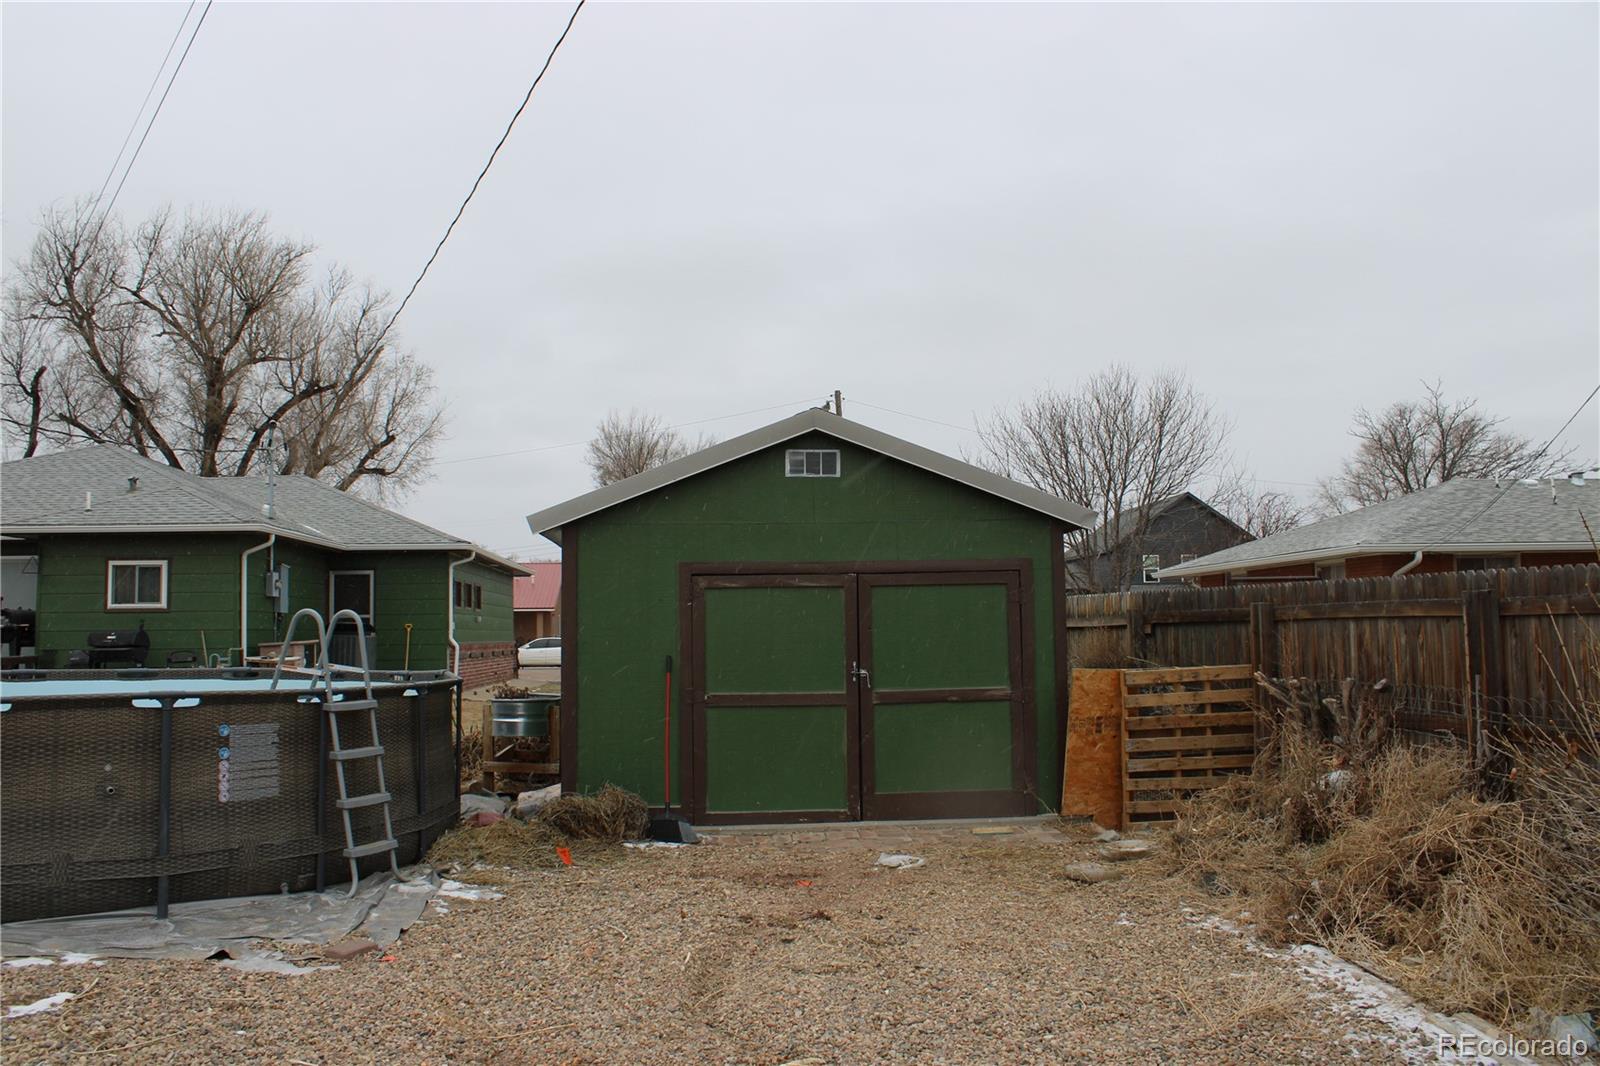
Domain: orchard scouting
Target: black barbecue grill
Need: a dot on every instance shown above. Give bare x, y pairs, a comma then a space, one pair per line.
17, 628
107, 646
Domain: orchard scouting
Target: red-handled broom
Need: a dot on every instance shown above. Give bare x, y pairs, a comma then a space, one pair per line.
669, 828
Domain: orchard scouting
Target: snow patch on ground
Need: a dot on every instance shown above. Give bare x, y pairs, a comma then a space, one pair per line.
457, 890
69, 958
48, 1003
1362, 992
1421, 1035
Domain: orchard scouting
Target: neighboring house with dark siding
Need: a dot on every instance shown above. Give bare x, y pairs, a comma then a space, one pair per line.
1466, 524
1178, 529
111, 540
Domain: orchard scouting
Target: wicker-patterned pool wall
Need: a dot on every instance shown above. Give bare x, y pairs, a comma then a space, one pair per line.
111, 802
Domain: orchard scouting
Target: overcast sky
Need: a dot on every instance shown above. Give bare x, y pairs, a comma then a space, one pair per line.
710, 209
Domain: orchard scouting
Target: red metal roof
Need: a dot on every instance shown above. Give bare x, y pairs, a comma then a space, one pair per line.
541, 592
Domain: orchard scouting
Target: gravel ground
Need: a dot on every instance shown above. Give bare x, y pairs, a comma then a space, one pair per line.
755, 949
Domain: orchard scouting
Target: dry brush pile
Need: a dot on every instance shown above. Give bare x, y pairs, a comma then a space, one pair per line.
589, 827
1398, 856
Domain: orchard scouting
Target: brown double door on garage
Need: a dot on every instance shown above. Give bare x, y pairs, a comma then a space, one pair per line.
861, 693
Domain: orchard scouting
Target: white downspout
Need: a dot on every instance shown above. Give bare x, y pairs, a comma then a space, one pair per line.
455, 646
244, 594
1412, 565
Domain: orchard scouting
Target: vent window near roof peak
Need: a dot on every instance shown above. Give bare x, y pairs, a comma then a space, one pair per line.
811, 462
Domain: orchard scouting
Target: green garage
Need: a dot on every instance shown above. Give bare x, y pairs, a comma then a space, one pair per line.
858, 628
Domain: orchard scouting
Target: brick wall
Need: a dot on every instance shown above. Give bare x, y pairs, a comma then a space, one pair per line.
487, 664
1385, 565
1293, 570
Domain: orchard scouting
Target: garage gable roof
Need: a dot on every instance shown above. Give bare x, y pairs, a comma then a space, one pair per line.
549, 521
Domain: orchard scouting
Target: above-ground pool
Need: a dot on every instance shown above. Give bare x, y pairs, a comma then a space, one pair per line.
135, 788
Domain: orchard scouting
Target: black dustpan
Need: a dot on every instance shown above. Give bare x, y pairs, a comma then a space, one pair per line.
670, 828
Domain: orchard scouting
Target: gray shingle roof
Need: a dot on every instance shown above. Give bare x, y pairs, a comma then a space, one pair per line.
1444, 518
47, 494
1100, 540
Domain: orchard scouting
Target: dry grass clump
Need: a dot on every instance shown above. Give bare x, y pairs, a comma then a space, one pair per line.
509, 842
612, 814
1097, 649
471, 758
1400, 863
590, 827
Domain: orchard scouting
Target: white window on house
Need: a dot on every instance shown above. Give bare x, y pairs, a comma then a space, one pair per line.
1331, 571
812, 462
136, 584
350, 590
1151, 564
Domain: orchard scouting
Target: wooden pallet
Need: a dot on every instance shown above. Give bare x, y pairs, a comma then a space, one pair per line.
1183, 730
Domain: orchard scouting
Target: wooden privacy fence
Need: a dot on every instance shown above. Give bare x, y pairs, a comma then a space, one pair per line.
1501, 647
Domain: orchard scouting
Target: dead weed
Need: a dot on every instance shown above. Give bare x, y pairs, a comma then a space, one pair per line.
1487, 904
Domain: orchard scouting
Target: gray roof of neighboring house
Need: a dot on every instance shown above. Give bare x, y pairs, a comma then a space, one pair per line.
1099, 540
549, 521
47, 493
1468, 516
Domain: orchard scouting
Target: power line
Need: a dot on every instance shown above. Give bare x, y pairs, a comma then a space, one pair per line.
153, 116
503, 455
578, 443
1512, 480
137, 115
919, 418
482, 173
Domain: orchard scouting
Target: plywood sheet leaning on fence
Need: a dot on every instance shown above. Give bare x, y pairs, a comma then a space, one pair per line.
1093, 779
1183, 729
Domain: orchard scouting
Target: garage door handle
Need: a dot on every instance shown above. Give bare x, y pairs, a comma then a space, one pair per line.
863, 676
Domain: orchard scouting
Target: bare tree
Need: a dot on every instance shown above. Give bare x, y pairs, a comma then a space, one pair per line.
23, 376
1412, 444
625, 445
1260, 512
185, 339
1116, 444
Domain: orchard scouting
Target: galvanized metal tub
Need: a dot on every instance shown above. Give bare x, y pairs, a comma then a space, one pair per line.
523, 717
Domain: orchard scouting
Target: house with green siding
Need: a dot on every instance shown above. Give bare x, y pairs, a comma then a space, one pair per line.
100, 538
837, 624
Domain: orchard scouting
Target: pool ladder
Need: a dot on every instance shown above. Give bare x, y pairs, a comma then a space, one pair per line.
335, 707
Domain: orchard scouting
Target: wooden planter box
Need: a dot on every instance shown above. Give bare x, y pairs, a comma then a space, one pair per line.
500, 754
